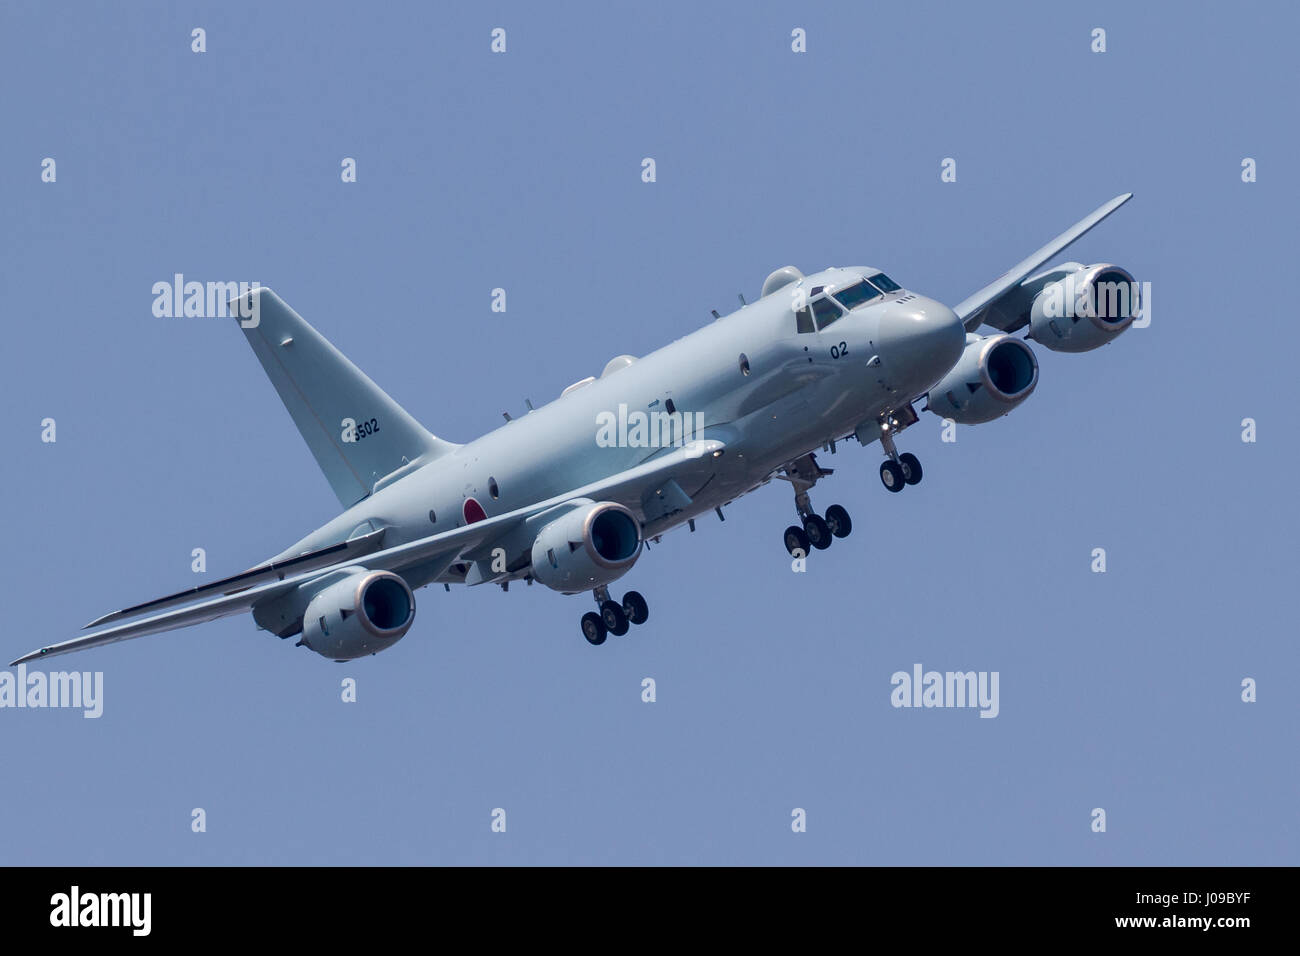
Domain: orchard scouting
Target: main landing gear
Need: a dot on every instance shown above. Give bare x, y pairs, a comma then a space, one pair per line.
613, 617
818, 532
815, 531
897, 470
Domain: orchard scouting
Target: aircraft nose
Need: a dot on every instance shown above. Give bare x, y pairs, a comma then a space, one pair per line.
922, 335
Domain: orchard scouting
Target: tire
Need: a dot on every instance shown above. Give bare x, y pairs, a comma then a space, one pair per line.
612, 616
841, 524
818, 532
635, 608
593, 628
796, 540
891, 476
911, 468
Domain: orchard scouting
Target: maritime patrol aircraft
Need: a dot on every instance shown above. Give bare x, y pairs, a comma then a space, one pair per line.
568, 494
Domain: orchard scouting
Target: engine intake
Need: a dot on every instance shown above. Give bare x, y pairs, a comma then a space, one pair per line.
364, 613
994, 374
587, 547
1084, 310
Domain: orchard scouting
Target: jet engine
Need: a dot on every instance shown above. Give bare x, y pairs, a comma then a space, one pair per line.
1070, 308
364, 613
994, 374
1084, 310
587, 547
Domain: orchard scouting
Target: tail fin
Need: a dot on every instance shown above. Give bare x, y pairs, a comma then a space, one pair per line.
357, 433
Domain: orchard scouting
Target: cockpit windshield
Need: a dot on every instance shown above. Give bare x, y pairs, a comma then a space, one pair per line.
826, 311
884, 283
855, 295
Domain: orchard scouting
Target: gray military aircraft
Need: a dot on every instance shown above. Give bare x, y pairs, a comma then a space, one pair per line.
568, 494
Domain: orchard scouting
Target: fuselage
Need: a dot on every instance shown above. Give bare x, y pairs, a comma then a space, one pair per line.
766, 380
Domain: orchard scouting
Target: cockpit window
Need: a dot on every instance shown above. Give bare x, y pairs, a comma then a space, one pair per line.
855, 295
803, 320
884, 283
826, 311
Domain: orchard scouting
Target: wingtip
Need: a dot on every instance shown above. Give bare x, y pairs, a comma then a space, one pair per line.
28, 657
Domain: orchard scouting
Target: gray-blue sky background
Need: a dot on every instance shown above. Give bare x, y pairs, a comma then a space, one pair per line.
522, 171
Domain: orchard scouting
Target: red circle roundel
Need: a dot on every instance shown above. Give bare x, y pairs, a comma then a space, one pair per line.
473, 511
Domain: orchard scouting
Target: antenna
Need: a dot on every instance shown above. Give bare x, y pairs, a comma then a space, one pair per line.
741, 297
715, 313
529, 403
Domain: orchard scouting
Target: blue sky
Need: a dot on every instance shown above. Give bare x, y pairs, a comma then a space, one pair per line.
522, 170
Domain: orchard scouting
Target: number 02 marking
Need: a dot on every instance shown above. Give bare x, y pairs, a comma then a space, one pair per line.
839, 351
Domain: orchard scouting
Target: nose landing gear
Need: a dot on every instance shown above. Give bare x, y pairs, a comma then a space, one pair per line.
613, 617
898, 470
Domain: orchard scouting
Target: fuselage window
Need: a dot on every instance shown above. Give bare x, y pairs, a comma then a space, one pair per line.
744, 364
803, 320
433, 516
884, 283
857, 294
826, 311
493, 490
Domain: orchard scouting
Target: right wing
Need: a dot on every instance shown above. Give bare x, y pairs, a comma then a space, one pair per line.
447, 547
971, 309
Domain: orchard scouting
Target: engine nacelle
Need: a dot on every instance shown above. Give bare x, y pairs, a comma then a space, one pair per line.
588, 547
994, 374
1084, 310
365, 613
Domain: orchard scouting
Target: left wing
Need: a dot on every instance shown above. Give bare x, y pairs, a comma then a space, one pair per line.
344, 552
971, 310
447, 547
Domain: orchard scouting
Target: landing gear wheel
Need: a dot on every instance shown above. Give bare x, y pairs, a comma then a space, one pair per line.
593, 628
838, 520
891, 476
796, 540
635, 608
911, 468
818, 532
612, 616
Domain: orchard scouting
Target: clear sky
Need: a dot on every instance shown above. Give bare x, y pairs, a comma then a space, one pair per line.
522, 170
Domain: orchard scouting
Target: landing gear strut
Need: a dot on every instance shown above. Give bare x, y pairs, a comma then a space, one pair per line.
814, 531
613, 617
898, 470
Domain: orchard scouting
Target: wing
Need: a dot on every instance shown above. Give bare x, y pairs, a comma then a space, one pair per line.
447, 548
971, 310
345, 552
